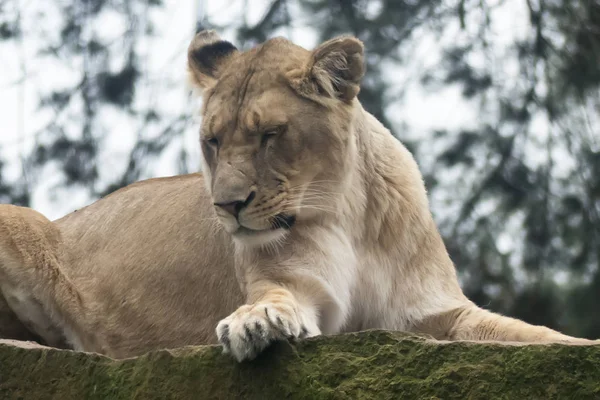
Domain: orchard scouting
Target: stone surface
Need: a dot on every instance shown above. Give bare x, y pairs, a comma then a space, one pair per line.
366, 365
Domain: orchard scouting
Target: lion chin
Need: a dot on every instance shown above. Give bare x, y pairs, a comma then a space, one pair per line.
281, 224
309, 218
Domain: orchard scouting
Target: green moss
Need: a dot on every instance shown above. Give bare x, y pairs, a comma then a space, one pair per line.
365, 365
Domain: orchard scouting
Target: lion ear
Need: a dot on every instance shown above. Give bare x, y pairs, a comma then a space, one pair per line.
335, 69
207, 55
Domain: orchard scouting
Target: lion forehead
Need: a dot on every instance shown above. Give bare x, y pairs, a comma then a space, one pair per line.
262, 109
257, 70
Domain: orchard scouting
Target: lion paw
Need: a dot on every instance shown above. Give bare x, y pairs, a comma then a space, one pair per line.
251, 328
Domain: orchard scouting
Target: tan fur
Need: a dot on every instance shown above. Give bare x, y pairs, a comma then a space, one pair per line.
145, 264
156, 264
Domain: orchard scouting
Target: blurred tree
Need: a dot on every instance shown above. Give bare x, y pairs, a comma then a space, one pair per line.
98, 51
13, 193
537, 186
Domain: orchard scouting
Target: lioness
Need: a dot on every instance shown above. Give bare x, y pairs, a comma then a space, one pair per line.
310, 219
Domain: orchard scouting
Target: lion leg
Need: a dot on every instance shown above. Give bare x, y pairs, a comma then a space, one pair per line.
31, 280
473, 323
274, 313
32, 315
11, 327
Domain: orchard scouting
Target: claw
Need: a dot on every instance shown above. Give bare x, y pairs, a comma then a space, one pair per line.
259, 328
250, 330
303, 332
224, 334
247, 334
282, 326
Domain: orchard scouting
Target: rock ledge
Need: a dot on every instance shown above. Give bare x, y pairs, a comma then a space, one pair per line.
365, 365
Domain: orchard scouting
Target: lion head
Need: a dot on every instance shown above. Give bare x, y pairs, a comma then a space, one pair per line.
275, 131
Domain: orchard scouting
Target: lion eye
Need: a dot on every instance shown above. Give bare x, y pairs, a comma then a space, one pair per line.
271, 134
213, 141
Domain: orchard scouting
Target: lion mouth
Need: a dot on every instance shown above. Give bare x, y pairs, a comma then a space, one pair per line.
280, 221
283, 221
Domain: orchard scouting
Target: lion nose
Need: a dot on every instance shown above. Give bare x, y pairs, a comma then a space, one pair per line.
234, 207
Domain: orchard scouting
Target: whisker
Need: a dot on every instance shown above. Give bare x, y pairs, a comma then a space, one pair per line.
309, 198
315, 207
325, 196
324, 188
323, 181
311, 190
315, 204
323, 192
324, 210
316, 192
314, 183
314, 198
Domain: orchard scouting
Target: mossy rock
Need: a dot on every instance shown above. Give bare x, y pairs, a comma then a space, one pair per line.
364, 365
